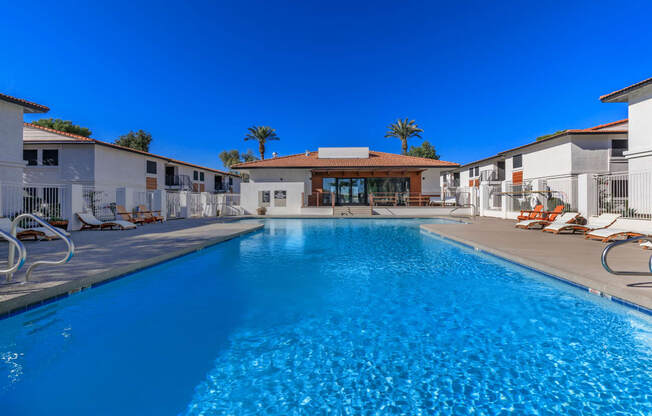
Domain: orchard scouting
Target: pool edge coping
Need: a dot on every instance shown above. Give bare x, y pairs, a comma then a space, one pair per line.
551, 272
23, 303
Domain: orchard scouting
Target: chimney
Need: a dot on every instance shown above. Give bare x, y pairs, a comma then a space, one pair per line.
274, 154
307, 152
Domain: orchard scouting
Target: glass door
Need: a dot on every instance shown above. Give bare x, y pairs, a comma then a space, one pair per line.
344, 191
358, 191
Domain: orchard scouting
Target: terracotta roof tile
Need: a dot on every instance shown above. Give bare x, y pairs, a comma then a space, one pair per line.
129, 149
375, 159
36, 108
625, 90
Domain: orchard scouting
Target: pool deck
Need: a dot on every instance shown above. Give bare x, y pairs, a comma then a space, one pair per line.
105, 255
566, 256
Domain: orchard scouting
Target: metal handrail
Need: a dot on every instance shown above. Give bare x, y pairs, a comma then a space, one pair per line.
22, 254
463, 206
65, 238
606, 250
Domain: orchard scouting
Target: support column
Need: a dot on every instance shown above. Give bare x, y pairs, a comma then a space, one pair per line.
484, 199
125, 198
183, 202
159, 203
74, 204
203, 198
586, 195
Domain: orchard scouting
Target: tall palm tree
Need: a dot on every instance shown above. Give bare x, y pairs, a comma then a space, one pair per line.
403, 129
262, 134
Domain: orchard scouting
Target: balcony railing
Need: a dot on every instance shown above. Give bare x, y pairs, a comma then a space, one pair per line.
180, 182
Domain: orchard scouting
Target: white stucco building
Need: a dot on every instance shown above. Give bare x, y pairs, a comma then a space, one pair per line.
54, 157
11, 136
639, 105
315, 182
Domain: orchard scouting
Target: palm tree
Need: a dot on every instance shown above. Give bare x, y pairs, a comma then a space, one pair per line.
403, 129
262, 134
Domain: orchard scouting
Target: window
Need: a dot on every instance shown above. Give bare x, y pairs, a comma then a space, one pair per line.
470, 172
195, 175
31, 157
51, 157
218, 183
201, 176
151, 167
263, 198
517, 161
618, 148
230, 181
477, 171
280, 198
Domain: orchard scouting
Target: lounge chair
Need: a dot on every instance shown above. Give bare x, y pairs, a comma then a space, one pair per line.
149, 216
37, 233
544, 218
621, 228
647, 245
89, 222
530, 214
593, 223
126, 216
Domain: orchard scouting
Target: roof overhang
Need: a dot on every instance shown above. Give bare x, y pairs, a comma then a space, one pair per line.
28, 106
622, 95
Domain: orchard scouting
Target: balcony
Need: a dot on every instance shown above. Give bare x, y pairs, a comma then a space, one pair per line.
178, 182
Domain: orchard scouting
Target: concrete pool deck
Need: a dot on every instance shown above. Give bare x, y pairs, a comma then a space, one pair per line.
567, 256
104, 255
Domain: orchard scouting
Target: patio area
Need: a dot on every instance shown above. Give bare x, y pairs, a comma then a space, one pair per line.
570, 257
103, 255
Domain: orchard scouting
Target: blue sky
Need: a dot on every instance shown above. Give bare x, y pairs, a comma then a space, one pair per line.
479, 77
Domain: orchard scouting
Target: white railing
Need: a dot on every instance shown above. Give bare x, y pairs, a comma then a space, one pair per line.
100, 201
145, 198
194, 204
46, 201
495, 197
627, 194
561, 191
229, 205
173, 201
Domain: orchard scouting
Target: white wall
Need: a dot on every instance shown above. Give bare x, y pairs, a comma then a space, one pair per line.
640, 121
119, 168
294, 190
76, 165
430, 183
11, 143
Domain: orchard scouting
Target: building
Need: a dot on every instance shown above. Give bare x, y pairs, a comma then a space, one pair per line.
314, 182
11, 136
55, 157
639, 106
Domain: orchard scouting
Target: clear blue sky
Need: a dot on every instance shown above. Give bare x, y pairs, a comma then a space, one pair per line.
478, 77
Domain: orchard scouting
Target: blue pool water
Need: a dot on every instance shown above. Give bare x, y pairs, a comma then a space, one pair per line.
329, 316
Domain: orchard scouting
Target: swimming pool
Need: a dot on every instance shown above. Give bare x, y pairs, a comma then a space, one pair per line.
350, 316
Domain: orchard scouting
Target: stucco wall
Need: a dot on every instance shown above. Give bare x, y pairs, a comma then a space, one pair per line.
430, 181
76, 165
640, 122
118, 168
293, 203
11, 143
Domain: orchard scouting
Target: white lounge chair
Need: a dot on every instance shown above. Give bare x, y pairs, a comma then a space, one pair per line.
593, 223
621, 228
37, 233
647, 245
89, 222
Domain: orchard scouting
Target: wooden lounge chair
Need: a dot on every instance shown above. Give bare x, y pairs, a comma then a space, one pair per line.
36, 233
593, 223
89, 222
126, 216
545, 218
530, 215
149, 216
621, 228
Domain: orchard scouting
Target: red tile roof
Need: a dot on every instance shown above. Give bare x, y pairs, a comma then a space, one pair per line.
602, 126
623, 91
35, 108
375, 160
129, 149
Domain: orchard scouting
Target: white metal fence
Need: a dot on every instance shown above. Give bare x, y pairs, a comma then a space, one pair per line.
100, 201
229, 205
173, 201
47, 201
561, 191
627, 194
194, 204
145, 198
495, 196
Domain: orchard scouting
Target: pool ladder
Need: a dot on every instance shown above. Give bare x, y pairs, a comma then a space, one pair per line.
473, 211
607, 249
15, 245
